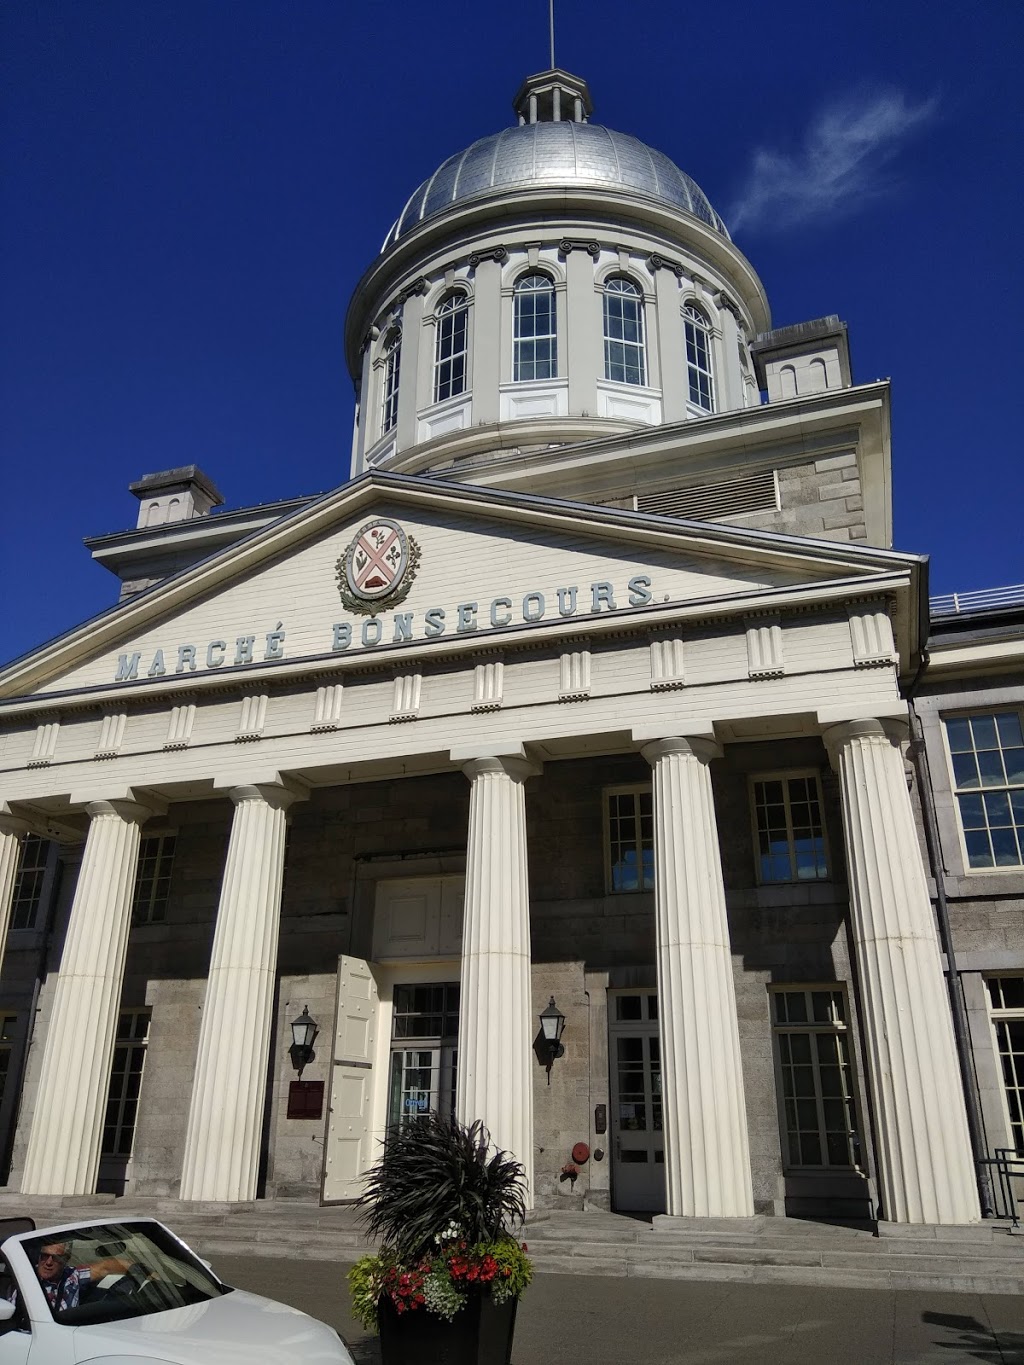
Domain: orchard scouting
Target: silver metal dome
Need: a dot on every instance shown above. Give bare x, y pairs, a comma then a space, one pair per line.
554, 155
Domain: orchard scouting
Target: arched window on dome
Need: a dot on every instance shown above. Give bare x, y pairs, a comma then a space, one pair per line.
389, 392
625, 359
535, 341
699, 376
452, 347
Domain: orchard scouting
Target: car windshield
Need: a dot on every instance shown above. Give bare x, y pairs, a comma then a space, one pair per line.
117, 1270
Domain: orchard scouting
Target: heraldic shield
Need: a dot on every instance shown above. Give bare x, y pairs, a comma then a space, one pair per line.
378, 567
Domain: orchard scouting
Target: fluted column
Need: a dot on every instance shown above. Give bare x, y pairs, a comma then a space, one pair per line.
12, 834
707, 1156
926, 1172
64, 1145
496, 1025
225, 1121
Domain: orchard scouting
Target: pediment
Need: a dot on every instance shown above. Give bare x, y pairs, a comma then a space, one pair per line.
469, 568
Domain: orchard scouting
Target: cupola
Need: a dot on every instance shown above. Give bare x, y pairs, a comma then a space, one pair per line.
553, 96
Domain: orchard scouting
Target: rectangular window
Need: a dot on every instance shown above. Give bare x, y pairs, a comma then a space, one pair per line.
153, 879
1006, 997
451, 347
629, 835
28, 884
534, 348
789, 831
125, 1082
424, 1050
987, 753
625, 358
8, 1023
815, 1078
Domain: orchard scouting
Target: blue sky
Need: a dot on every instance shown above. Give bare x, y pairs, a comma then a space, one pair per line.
190, 191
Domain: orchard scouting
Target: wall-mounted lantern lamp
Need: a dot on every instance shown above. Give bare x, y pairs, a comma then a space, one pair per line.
552, 1024
304, 1031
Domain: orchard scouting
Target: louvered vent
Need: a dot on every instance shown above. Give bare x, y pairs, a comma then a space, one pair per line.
710, 501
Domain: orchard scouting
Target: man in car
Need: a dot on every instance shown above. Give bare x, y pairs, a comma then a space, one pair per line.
61, 1283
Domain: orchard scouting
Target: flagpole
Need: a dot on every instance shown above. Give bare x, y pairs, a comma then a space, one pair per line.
551, 25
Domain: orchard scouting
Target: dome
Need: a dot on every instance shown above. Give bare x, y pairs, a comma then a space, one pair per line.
554, 155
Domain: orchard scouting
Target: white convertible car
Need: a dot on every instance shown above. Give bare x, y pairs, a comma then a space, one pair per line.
131, 1293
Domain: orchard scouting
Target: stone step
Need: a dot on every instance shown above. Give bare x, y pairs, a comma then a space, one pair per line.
981, 1259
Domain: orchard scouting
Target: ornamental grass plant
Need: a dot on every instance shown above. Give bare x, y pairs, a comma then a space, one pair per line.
445, 1205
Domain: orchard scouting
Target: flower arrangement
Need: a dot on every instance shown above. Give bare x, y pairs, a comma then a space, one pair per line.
444, 1205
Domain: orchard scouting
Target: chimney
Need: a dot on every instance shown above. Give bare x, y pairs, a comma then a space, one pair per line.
174, 495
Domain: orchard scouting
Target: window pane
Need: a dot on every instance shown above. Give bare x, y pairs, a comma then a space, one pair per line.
624, 358
631, 840
790, 833
816, 1097
534, 344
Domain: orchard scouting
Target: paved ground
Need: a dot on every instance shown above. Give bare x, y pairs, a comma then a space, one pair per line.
576, 1320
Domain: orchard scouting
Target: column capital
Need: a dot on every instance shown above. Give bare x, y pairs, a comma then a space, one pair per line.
14, 824
892, 730
134, 811
701, 747
278, 795
513, 766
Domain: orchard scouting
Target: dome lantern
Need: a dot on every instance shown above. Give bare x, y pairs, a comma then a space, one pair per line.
554, 96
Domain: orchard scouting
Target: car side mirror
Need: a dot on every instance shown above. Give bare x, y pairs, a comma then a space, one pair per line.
7, 1310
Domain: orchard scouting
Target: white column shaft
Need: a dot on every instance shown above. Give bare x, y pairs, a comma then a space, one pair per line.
495, 1079
11, 833
225, 1122
926, 1170
707, 1156
64, 1145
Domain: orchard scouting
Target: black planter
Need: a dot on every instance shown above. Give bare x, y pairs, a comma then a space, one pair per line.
479, 1334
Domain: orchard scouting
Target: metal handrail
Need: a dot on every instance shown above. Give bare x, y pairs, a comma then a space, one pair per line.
1008, 1165
954, 603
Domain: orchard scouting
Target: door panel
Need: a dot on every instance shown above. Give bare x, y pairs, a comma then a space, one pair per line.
348, 1153
638, 1142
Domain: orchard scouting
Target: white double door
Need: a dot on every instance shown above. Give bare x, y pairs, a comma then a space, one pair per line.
637, 1135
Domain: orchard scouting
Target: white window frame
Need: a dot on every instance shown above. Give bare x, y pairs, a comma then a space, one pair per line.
637, 790
34, 861
1005, 1014
697, 336
841, 1028
391, 356
149, 905
785, 776
453, 306
442, 1085
977, 713
621, 286
134, 1044
524, 347
8, 1042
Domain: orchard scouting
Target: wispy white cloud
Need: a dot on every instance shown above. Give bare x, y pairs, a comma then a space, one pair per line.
842, 165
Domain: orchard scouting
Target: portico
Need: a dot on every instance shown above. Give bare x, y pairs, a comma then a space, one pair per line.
667, 688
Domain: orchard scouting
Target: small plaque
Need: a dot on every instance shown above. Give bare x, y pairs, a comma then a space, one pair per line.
306, 1099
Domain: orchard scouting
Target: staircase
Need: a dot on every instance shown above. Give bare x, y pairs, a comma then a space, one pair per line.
984, 1258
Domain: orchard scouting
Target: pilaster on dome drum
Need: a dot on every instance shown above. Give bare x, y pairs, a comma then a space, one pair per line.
925, 1165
